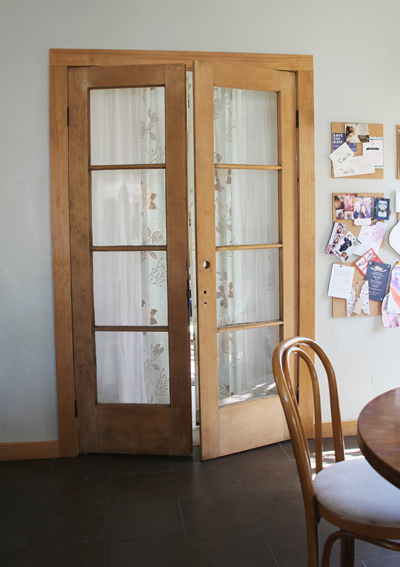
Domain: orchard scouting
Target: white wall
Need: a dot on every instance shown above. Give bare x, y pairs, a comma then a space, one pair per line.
357, 62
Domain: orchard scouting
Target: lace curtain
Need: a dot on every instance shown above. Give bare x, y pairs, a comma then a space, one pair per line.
246, 205
128, 208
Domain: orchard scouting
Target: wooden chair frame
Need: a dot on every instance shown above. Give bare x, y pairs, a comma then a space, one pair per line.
314, 510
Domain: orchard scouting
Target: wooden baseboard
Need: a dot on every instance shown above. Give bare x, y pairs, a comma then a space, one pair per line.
348, 428
31, 450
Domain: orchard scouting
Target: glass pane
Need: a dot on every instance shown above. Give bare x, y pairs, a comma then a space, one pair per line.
247, 286
128, 207
130, 288
127, 126
132, 368
245, 127
246, 207
244, 364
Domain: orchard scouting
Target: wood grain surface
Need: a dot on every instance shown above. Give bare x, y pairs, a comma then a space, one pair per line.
379, 435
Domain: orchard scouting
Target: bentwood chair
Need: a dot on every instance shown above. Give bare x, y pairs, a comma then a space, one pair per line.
350, 494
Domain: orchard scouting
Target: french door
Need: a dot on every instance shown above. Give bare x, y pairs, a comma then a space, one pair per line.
129, 254
246, 203
129, 258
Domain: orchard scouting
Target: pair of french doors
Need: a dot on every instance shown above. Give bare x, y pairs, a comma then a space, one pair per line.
130, 256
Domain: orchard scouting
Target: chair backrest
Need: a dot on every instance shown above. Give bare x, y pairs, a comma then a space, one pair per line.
282, 366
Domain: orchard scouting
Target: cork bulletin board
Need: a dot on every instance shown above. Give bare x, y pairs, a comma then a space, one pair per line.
375, 130
339, 305
350, 223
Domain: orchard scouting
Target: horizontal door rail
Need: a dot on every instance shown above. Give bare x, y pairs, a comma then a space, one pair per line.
128, 248
243, 326
244, 166
127, 166
247, 247
127, 329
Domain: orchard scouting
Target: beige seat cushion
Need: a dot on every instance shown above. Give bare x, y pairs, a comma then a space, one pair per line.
354, 490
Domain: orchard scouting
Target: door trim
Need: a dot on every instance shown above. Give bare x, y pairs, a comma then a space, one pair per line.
60, 61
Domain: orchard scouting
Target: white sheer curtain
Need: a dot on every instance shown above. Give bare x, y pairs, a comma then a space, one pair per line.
246, 213
128, 208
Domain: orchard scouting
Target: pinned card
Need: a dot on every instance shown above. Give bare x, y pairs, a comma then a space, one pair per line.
359, 299
378, 276
341, 281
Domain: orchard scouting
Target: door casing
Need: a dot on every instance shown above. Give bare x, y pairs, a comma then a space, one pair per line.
60, 61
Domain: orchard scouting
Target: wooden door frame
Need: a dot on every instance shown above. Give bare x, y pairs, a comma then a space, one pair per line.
60, 61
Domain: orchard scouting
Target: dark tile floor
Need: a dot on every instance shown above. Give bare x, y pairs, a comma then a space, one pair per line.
244, 510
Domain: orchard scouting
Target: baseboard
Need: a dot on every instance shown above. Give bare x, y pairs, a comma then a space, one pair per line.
30, 450
348, 428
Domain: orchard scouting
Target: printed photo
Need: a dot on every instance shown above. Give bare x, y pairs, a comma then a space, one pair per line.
346, 246
382, 210
338, 231
339, 202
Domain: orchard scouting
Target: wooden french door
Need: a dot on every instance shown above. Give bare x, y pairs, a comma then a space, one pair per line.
129, 258
239, 406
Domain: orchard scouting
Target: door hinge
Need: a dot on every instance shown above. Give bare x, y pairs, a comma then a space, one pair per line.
297, 118
67, 115
76, 409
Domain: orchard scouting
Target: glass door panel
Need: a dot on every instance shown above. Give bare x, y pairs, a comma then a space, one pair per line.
244, 364
130, 288
246, 207
247, 286
132, 368
127, 126
128, 207
245, 127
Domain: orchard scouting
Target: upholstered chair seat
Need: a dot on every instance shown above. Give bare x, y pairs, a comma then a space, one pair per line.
354, 490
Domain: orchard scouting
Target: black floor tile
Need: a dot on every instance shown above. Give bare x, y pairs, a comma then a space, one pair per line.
241, 512
245, 549
94, 555
78, 490
193, 483
30, 469
270, 454
288, 544
92, 465
62, 524
268, 476
20, 502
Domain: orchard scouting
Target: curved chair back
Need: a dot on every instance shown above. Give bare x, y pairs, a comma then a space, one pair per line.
285, 381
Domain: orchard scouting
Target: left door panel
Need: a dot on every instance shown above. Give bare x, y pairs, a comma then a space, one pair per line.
129, 258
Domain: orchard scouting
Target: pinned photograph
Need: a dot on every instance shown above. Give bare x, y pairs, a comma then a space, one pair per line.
338, 231
363, 210
339, 202
382, 209
349, 202
357, 133
346, 246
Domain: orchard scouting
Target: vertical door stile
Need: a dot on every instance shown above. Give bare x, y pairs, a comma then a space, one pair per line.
206, 267
289, 205
178, 257
81, 266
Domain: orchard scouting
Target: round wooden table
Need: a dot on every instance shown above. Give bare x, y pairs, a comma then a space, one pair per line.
378, 434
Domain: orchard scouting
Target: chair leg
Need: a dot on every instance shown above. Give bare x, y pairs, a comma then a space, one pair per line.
347, 552
326, 553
